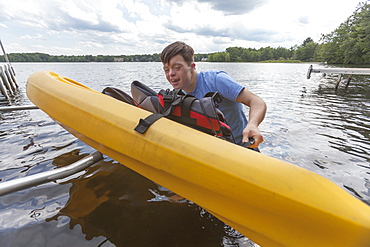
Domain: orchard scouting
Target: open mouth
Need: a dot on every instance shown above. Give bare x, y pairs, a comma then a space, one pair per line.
175, 82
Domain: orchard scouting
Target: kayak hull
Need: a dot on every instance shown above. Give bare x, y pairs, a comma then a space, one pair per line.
272, 202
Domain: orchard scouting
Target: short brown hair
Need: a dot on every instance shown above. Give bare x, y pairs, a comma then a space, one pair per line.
177, 48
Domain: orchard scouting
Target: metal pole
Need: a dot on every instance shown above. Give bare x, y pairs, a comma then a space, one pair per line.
12, 76
3, 88
49, 176
6, 58
16, 108
344, 71
10, 80
5, 80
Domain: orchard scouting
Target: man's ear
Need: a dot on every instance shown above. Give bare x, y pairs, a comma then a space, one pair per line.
193, 66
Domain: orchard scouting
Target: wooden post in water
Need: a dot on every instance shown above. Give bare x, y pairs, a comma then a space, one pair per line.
338, 82
348, 81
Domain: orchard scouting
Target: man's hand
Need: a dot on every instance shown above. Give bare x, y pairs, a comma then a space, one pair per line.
252, 132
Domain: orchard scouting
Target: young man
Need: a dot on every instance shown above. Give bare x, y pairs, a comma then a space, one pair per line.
179, 68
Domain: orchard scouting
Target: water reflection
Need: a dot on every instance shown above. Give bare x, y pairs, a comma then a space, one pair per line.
111, 200
109, 204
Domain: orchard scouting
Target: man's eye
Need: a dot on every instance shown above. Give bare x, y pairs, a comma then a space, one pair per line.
177, 67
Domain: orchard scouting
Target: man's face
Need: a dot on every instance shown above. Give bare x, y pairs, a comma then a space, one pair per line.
179, 73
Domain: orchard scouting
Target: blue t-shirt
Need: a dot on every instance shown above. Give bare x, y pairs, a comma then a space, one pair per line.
229, 89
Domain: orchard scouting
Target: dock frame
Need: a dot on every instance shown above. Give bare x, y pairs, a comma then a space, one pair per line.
341, 72
19, 184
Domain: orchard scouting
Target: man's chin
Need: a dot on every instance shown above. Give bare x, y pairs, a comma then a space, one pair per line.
176, 86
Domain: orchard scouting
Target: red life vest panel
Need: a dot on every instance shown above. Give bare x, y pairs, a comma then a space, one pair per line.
201, 114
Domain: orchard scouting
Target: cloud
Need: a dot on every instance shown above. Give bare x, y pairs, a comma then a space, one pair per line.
234, 7
304, 20
81, 15
91, 44
237, 31
34, 37
60, 15
146, 26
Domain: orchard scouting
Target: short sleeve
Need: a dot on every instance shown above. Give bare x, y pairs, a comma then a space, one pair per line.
227, 86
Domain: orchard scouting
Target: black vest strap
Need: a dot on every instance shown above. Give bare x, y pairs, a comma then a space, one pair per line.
186, 104
144, 124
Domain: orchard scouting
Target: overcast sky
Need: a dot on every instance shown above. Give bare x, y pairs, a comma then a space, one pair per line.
114, 27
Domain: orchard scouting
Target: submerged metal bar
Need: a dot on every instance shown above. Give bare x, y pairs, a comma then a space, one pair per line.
49, 176
16, 108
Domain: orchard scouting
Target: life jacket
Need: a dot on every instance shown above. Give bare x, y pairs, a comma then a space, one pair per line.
201, 114
118, 94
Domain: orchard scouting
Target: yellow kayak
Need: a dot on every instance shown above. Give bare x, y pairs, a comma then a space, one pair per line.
272, 202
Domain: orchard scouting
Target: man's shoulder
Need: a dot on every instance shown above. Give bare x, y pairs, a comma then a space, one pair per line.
211, 75
212, 72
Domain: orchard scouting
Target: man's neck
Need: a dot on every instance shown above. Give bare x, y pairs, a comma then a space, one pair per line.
193, 82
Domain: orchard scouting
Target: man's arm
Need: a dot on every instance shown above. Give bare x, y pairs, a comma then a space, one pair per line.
257, 113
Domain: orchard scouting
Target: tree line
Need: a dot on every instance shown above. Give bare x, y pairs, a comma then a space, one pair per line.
347, 44
42, 57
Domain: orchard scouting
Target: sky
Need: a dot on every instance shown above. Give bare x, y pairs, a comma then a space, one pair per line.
130, 27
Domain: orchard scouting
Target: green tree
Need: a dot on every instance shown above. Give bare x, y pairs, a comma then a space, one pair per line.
219, 57
235, 53
267, 53
306, 51
350, 42
282, 53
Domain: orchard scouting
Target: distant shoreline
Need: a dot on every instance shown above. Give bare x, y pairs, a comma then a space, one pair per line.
267, 61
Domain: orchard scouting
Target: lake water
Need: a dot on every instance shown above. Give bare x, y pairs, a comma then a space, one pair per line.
307, 124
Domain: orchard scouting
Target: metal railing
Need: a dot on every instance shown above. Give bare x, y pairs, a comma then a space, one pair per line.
17, 108
49, 176
340, 71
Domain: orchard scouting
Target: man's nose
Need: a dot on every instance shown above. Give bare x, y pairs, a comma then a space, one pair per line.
172, 72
